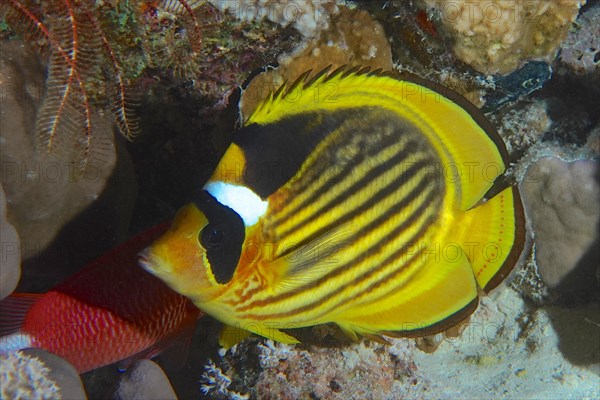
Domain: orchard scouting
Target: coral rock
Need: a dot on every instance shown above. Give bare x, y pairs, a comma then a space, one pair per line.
43, 191
307, 16
144, 380
562, 201
10, 252
497, 36
581, 50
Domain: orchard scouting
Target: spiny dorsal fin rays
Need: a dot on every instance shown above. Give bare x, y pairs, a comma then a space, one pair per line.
318, 75
303, 82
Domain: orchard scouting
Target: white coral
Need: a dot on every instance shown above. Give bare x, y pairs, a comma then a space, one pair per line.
215, 380
25, 377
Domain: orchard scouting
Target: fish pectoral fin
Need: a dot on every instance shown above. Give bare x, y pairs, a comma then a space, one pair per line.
305, 262
231, 335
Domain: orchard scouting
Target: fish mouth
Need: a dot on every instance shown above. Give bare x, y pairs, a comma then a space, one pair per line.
145, 260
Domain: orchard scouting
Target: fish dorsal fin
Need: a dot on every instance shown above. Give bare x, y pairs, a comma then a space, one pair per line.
471, 151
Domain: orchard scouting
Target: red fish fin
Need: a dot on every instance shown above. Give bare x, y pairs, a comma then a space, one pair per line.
148, 353
13, 310
124, 364
175, 350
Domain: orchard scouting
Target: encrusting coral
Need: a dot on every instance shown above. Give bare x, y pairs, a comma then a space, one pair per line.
497, 36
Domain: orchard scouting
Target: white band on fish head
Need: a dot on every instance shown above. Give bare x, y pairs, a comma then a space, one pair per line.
249, 206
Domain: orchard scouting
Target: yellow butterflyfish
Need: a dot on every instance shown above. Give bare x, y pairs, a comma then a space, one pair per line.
356, 198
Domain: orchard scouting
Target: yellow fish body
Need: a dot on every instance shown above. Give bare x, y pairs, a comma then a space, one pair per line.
354, 198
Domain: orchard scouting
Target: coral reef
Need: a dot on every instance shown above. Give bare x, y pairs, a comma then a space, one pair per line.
354, 37
10, 252
562, 201
499, 349
217, 383
496, 36
36, 374
307, 16
144, 380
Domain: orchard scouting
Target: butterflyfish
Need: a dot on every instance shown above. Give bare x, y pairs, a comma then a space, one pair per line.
356, 198
110, 311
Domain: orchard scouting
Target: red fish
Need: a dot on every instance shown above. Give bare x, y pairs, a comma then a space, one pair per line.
109, 311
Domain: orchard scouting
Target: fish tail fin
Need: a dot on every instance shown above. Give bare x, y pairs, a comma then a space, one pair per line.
14, 309
495, 239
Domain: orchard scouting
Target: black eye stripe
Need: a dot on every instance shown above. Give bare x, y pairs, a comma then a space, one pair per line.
222, 238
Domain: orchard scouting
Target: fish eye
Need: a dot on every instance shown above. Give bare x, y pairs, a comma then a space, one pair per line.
222, 238
212, 237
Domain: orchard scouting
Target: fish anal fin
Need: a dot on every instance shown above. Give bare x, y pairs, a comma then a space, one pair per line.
174, 351
14, 309
495, 238
124, 364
